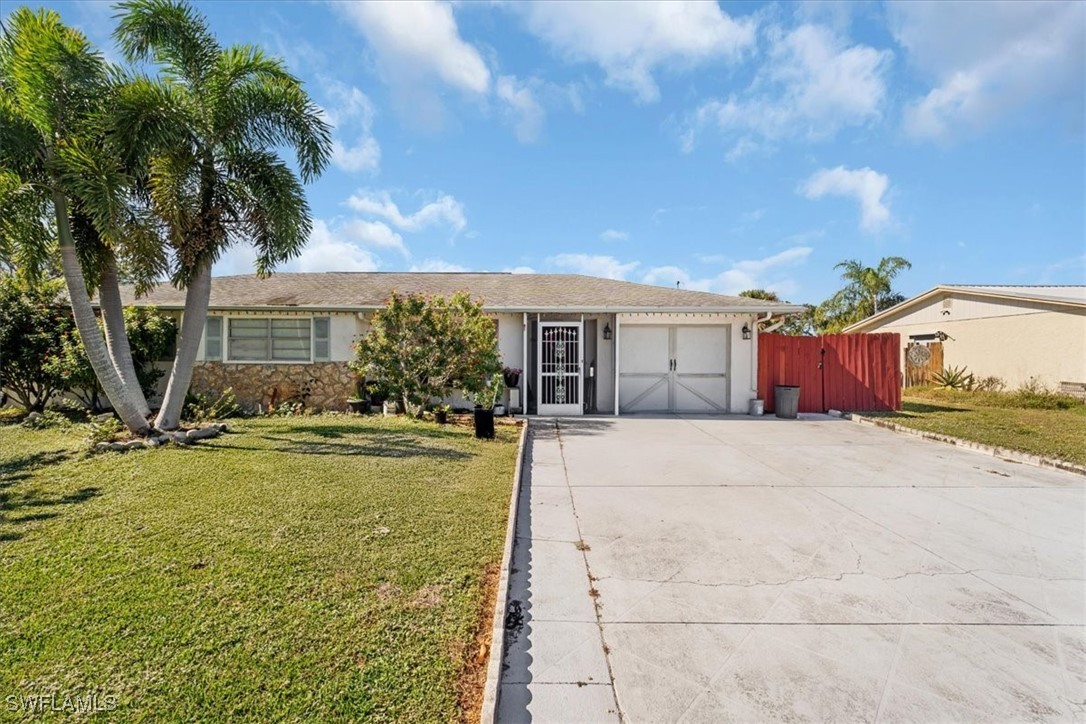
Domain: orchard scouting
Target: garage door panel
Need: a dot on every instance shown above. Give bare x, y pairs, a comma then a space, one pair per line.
702, 350
701, 394
645, 350
643, 393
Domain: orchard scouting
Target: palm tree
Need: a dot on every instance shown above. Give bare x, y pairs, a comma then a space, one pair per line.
867, 290
225, 184
54, 95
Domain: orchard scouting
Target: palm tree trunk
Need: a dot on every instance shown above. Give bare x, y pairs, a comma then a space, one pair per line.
197, 297
87, 325
120, 352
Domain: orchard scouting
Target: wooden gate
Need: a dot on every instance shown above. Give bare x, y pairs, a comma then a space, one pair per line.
923, 360
852, 372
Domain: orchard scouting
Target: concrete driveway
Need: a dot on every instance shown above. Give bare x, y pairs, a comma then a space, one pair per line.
755, 569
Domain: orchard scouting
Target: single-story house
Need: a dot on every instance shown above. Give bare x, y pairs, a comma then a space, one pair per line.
1016, 333
586, 345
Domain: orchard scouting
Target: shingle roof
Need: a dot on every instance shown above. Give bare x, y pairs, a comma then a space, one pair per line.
499, 291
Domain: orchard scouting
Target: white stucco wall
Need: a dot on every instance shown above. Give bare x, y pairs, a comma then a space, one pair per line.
742, 369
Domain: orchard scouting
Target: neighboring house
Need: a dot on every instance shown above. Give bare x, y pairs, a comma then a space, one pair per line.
582, 342
1017, 333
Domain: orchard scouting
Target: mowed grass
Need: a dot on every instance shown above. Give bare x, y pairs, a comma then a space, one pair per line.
298, 569
1052, 433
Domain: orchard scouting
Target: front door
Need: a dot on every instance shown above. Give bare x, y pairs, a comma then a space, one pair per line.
561, 360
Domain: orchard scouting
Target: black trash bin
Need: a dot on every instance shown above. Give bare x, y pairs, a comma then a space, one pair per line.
484, 423
786, 401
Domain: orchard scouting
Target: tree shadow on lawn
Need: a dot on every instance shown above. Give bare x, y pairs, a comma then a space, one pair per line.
18, 507
392, 445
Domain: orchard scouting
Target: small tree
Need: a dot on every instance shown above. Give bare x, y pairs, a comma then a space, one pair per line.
150, 335
424, 348
33, 325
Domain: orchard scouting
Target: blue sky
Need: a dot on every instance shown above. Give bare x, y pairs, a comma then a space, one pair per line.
721, 146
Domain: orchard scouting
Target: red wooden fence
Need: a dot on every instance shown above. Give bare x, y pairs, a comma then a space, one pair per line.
851, 372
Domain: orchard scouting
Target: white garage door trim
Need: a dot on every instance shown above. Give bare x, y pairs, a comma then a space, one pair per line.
675, 368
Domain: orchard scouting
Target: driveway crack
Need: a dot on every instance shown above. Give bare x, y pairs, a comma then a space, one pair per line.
592, 592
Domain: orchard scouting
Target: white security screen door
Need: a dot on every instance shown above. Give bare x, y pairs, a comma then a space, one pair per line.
561, 360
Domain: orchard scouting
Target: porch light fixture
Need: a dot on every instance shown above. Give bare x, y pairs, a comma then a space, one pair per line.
746, 331
607, 331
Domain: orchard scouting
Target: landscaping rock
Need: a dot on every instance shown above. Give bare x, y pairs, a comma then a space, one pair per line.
104, 417
101, 447
164, 438
119, 446
133, 444
222, 427
151, 442
33, 416
179, 436
202, 433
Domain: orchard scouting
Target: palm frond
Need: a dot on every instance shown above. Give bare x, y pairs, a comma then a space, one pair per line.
169, 33
267, 112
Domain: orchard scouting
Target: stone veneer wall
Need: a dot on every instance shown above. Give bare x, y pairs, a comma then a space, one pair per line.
320, 385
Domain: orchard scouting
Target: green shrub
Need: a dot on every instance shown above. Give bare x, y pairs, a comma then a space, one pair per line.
104, 431
205, 408
46, 420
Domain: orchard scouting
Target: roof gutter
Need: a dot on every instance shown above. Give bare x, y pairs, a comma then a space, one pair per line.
781, 309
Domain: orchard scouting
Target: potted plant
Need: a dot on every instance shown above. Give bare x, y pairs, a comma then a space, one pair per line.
511, 376
378, 394
357, 403
485, 399
441, 414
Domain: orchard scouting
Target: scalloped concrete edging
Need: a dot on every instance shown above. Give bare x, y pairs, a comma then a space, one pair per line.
1002, 453
489, 712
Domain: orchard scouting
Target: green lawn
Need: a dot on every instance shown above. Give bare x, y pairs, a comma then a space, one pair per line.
1051, 433
304, 568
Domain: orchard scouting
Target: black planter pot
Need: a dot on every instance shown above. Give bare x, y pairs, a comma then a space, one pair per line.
511, 380
441, 417
358, 406
484, 423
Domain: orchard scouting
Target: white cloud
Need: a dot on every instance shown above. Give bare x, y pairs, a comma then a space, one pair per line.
1014, 55
607, 267
373, 233
351, 112
326, 251
519, 270
630, 40
812, 84
866, 186
443, 211
419, 41
765, 273
614, 235
438, 265
365, 155
522, 106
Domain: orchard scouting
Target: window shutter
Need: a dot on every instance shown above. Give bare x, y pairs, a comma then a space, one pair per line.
321, 345
213, 338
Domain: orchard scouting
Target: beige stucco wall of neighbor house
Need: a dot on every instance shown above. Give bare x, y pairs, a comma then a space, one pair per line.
1016, 341
742, 369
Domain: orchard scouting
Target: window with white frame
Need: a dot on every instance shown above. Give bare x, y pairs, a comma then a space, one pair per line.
252, 339
267, 339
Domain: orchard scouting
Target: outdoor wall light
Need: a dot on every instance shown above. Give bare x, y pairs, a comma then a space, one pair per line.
746, 331
607, 331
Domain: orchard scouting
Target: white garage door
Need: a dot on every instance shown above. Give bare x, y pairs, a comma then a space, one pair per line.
673, 369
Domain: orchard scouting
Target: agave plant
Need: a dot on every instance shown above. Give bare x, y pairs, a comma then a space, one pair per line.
955, 378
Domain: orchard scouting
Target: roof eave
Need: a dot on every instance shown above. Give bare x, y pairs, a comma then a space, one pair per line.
640, 309
875, 319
